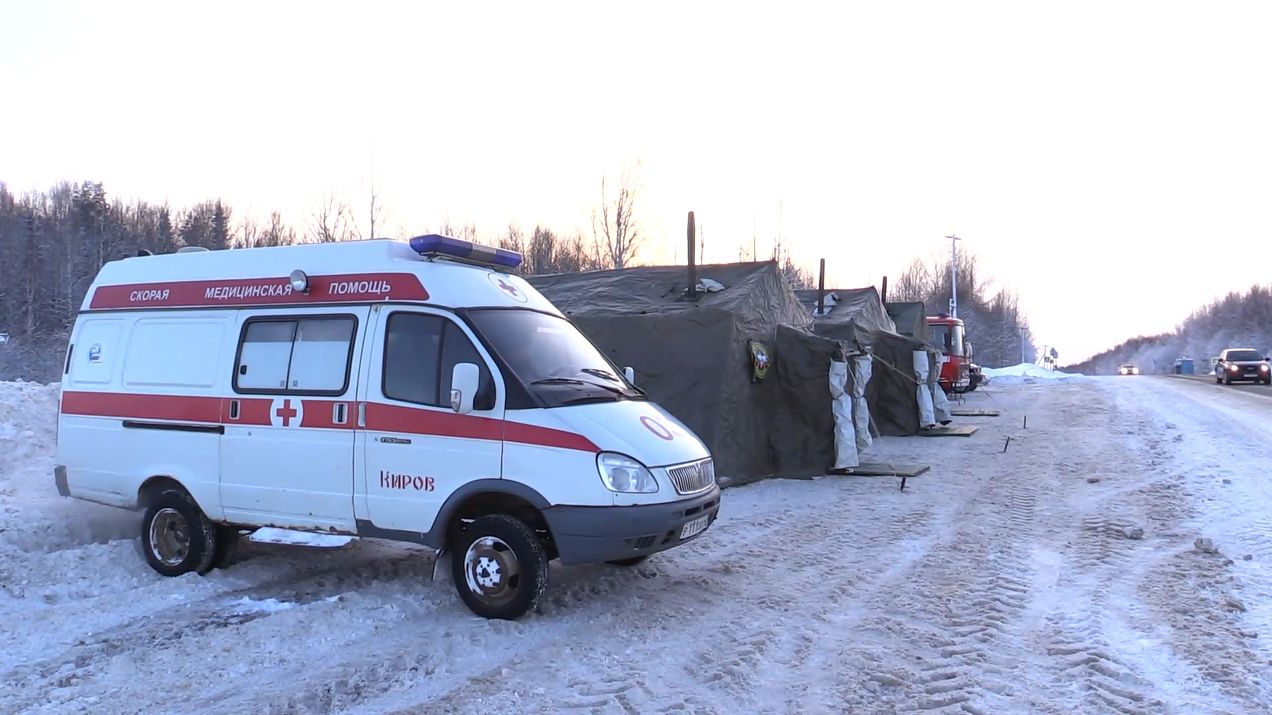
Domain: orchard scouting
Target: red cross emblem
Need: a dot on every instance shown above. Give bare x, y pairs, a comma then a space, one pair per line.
508, 287
283, 413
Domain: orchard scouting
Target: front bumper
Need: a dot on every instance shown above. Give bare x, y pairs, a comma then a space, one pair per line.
1247, 374
591, 534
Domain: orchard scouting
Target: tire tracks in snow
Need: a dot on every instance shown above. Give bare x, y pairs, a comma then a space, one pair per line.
730, 655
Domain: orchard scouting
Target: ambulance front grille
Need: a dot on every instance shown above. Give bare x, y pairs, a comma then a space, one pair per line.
693, 477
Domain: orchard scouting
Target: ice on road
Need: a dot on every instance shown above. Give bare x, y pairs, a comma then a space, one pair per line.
1066, 574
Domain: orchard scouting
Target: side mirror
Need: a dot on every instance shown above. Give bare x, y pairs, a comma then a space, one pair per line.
464, 379
630, 373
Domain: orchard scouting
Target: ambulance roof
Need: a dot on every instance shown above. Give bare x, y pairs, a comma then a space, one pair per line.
348, 272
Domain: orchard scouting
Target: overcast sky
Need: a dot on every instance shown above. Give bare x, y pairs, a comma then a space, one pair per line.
1111, 162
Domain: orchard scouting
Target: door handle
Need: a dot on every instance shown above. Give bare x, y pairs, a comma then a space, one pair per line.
362, 414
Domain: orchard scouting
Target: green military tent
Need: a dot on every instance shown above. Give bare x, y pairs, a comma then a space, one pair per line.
692, 355
857, 317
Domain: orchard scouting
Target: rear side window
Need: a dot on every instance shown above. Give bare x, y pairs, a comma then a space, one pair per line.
420, 353
295, 355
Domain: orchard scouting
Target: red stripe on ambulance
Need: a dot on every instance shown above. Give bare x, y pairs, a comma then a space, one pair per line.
349, 288
255, 411
146, 407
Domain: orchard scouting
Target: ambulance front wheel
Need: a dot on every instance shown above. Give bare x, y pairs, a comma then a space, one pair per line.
176, 536
499, 567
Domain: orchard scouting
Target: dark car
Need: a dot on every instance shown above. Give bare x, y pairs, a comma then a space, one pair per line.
1242, 364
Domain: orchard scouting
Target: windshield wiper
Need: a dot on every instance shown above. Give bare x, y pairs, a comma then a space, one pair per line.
560, 381
598, 372
573, 381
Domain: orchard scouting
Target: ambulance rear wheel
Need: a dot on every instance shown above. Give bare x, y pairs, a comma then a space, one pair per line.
499, 567
176, 536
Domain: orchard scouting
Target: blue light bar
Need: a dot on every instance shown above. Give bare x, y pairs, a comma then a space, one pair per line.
433, 244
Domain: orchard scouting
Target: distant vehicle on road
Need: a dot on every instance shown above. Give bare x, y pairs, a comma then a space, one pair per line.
974, 376
1242, 364
1128, 369
947, 334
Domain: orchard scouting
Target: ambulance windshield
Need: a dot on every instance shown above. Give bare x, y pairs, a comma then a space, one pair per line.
552, 359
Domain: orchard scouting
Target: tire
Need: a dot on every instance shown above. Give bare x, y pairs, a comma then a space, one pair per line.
176, 536
633, 561
499, 567
1227, 381
227, 542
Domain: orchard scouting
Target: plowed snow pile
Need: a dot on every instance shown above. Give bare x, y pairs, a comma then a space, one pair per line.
1026, 373
1062, 575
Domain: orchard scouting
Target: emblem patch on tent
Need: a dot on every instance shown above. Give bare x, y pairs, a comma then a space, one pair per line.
759, 361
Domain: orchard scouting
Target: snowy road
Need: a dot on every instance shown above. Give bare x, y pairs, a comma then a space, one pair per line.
1059, 576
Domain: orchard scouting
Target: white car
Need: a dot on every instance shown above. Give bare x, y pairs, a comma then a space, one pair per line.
1128, 369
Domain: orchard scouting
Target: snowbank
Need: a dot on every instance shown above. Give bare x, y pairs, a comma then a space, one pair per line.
1026, 373
28, 420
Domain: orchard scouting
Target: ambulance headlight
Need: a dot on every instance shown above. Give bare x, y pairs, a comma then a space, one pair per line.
621, 473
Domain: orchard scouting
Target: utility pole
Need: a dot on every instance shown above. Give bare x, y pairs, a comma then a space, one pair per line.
1022, 346
954, 278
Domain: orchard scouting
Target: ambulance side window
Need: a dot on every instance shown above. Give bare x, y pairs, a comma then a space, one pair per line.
412, 344
320, 355
295, 355
265, 355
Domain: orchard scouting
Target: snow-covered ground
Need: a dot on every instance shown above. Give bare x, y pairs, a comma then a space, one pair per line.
1062, 575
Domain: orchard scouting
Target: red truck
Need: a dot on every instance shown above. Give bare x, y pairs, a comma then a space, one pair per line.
947, 334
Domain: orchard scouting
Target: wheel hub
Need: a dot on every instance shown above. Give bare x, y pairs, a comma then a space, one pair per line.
169, 537
491, 570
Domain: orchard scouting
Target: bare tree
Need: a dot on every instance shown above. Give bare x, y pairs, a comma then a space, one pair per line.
333, 221
514, 239
247, 234
376, 212
466, 232
615, 229
796, 276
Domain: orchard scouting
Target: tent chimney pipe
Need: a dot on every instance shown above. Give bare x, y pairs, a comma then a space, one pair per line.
693, 268
821, 288
883, 292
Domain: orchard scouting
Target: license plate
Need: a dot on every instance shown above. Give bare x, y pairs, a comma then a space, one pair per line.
695, 527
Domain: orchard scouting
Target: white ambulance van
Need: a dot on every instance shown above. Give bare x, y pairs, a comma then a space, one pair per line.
383, 389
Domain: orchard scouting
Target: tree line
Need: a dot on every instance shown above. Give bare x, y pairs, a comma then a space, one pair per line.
54, 242
994, 323
1237, 320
